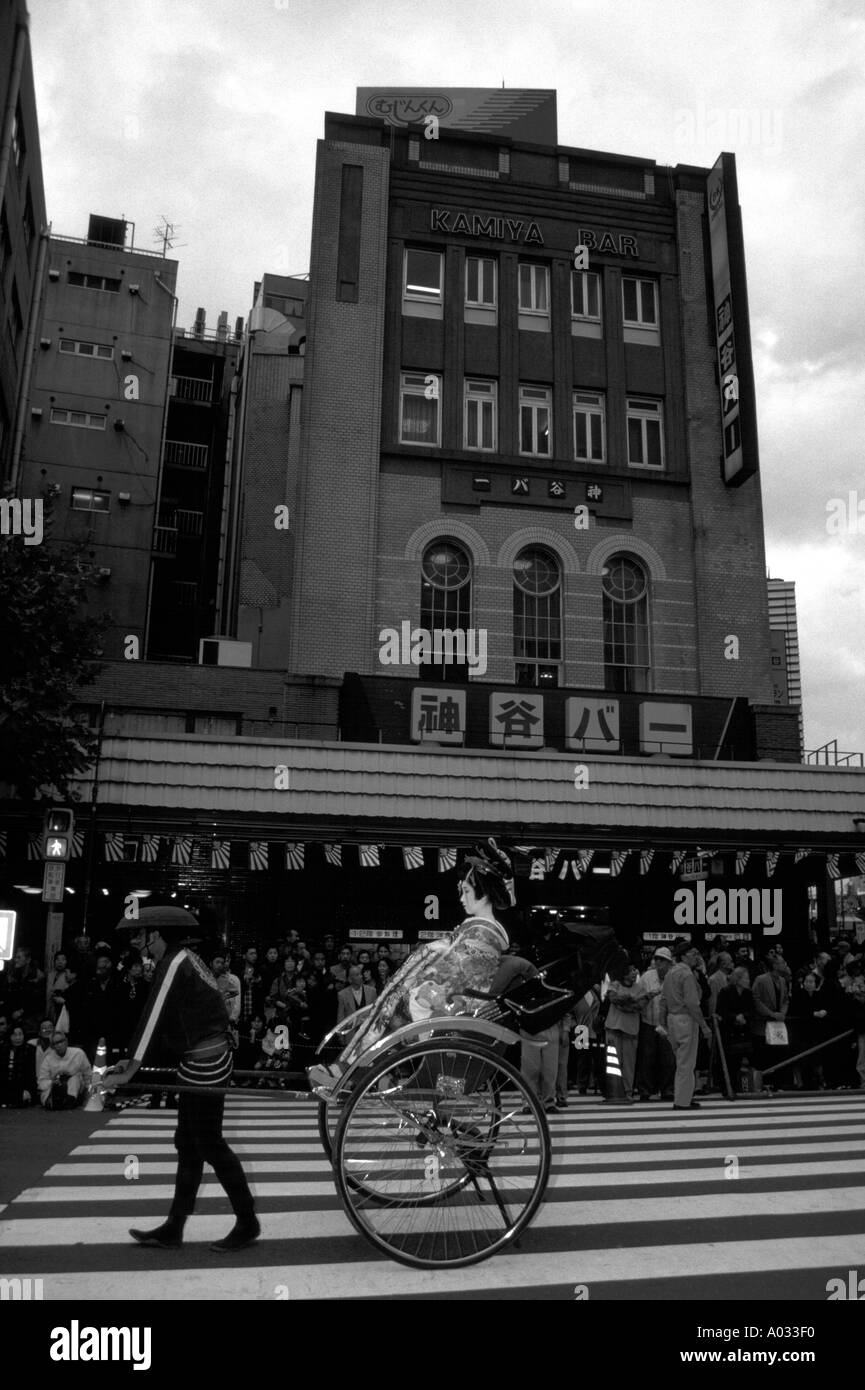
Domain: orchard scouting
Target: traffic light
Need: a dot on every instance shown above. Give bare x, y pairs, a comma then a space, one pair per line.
57, 828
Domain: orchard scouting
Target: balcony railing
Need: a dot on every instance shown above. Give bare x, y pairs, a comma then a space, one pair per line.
164, 540
179, 454
192, 388
189, 523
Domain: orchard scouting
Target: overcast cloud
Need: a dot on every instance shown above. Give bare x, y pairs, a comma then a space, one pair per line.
208, 112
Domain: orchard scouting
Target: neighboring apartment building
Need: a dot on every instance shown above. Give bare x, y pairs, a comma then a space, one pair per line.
97, 407
22, 230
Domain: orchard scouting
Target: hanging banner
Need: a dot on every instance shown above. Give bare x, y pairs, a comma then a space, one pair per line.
181, 849
732, 332
258, 854
295, 855
368, 856
333, 855
149, 848
220, 854
412, 857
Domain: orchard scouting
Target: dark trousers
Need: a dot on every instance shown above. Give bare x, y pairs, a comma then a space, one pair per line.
198, 1140
656, 1065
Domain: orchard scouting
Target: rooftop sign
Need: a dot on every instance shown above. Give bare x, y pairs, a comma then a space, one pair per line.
521, 113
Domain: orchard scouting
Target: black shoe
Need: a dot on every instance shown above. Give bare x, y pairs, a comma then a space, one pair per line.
695, 1105
167, 1237
244, 1232
561, 1103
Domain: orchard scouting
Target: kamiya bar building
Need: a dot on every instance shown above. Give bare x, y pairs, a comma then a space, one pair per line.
526, 579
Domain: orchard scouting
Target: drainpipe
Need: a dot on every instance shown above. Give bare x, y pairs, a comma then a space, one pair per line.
29, 355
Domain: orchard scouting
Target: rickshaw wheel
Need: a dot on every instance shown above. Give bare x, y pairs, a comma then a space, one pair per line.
441, 1169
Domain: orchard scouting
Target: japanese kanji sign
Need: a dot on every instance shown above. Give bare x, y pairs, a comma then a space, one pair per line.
732, 334
516, 720
592, 726
438, 715
666, 729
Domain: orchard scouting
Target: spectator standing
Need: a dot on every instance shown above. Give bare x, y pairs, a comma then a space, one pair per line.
132, 995
382, 973
718, 978
251, 987
229, 987
810, 1008
356, 995
339, 971
735, 1011
625, 997
656, 1065
98, 1012
64, 1075
60, 977
589, 1059
271, 968
320, 999
25, 990
683, 1022
771, 1003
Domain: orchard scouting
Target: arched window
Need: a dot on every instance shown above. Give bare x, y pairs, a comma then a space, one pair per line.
445, 603
627, 661
537, 618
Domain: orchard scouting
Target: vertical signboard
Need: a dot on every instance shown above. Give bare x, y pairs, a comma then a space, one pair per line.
732, 331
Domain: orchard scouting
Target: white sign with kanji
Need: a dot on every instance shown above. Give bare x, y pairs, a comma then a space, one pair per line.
438, 715
592, 726
516, 719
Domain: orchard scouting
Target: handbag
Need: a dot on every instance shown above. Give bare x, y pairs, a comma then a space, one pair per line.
776, 1033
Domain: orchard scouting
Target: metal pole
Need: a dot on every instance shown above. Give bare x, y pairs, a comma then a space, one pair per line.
91, 829
731, 1094
799, 1055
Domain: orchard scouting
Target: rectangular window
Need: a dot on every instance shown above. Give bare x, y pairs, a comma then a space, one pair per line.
645, 433
93, 282
348, 253
28, 222
534, 289
586, 294
536, 421
15, 321
19, 144
72, 345
420, 408
423, 283
589, 431
85, 499
481, 410
480, 282
80, 418
640, 317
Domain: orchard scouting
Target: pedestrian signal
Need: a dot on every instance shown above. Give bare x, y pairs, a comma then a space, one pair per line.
57, 829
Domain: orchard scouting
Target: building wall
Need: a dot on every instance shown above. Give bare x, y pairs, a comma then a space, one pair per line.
108, 459
700, 542
726, 523
333, 600
274, 382
22, 188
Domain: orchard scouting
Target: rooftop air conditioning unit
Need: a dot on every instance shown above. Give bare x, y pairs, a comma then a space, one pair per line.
224, 651
125, 354
54, 275
45, 342
36, 412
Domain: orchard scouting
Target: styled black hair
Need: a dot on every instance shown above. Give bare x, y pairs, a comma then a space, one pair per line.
491, 874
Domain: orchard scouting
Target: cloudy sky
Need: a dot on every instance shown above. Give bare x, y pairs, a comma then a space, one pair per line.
207, 112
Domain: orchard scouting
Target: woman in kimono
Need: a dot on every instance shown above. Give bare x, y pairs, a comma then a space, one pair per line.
431, 981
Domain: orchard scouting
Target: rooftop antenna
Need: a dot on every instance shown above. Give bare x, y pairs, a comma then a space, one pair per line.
166, 232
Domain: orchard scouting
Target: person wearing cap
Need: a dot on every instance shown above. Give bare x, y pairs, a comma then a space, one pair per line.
656, 1065
683, 1021
186, 1012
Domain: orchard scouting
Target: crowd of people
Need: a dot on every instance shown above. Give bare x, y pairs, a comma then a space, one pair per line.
281, 1001
284, 997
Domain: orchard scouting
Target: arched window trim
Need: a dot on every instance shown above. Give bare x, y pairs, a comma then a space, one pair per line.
627, 630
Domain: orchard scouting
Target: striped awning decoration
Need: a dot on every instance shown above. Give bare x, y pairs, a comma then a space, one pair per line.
258, 854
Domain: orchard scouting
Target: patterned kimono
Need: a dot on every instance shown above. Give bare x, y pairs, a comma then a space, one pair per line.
432, 978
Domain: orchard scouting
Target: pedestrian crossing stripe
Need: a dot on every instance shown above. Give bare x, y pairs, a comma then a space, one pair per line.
796, 1210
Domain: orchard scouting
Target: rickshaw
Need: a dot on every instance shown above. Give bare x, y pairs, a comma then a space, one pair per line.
440, 1150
